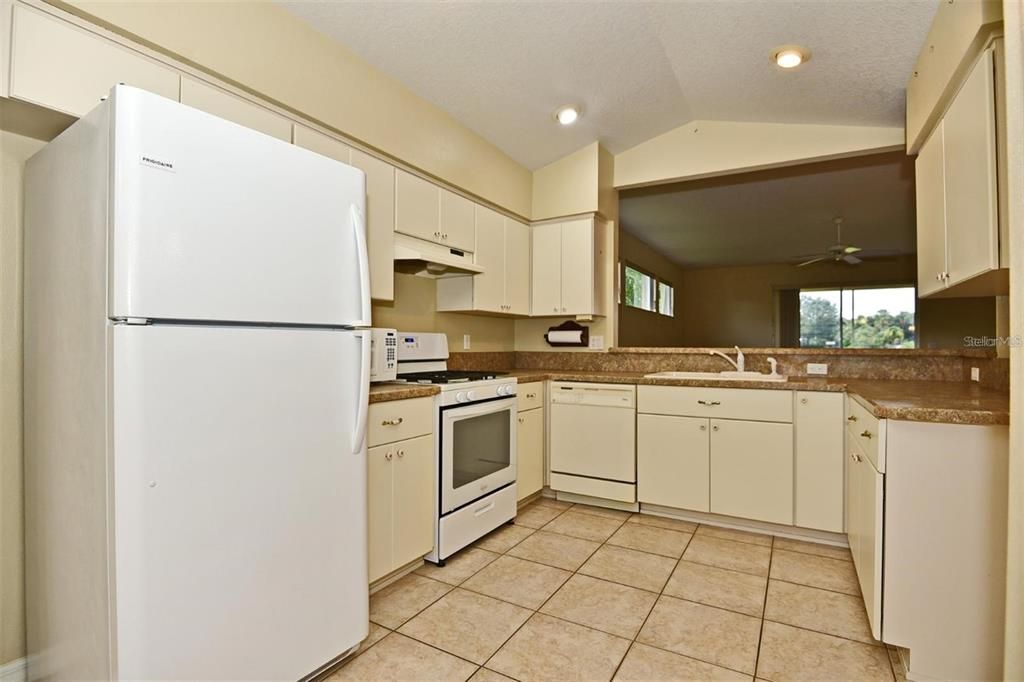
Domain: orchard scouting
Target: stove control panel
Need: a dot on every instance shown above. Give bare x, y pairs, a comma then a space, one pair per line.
478, 391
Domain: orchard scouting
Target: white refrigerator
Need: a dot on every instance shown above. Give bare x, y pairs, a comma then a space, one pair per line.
196, 381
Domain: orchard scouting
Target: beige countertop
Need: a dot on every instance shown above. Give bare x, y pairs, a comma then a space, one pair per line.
382, 393
926, 401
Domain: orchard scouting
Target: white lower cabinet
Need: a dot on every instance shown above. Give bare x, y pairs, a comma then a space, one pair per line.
530, 453
818, 460
752, 470
673, 460
400, 494
865, 502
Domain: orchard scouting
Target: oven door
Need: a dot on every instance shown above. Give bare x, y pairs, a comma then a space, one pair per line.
478, 450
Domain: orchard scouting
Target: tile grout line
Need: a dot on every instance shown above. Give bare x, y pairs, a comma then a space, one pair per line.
764, 607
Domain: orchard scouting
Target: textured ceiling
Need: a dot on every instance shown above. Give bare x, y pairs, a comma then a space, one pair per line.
776, 215
637, 69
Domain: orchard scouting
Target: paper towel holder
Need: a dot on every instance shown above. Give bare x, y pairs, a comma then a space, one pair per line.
570, 326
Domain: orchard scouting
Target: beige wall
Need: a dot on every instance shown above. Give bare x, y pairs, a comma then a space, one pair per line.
640, 327
14, 150
263, 48
702, 149
736, 306
567, 186
414, 311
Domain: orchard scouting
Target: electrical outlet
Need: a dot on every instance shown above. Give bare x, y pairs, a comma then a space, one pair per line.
819, 368
465, 342
597, 342
975, 374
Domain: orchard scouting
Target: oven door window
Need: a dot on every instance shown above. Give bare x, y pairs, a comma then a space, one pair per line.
480, 447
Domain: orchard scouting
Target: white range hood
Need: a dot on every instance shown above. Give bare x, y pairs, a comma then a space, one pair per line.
419, 257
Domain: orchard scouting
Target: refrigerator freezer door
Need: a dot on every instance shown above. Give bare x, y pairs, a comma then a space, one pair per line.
213, 221
239, 505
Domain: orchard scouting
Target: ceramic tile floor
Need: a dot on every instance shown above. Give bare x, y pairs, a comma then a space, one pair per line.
572, 592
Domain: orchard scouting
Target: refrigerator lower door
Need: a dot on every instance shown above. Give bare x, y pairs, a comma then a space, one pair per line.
239, 501
214, 221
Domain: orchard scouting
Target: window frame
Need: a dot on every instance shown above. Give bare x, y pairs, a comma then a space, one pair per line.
656, 283
843, 288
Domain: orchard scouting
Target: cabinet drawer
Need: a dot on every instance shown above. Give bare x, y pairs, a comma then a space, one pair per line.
400, 419
867, 431
529, 396
719, 403
63, 67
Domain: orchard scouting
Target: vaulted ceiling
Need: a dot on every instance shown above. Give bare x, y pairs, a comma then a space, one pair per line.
776, 216
637, 69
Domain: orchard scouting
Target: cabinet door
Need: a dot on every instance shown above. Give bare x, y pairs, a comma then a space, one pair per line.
458, 222
325, 145
972, 223
578, 267
489, 286
517, 267
65, 68
819, 460
379, 503
415, 491
930, 183
530, 453
546, 250
417, 207
220, 103
752, 470
380, 223
866, 502
673, 461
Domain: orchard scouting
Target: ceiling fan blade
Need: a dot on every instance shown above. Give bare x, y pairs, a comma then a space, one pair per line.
814, 260
851, 249
852, 260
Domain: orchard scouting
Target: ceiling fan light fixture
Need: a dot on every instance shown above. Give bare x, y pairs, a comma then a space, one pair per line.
790, 56
567, 115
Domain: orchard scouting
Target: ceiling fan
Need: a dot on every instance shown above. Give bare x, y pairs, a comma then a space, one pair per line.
837, 253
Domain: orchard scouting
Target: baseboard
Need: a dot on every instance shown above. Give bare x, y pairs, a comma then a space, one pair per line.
395, 575
13, 671
791, 532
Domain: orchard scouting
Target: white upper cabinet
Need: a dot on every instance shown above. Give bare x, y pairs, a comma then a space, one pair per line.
221, 103
517, 267
502, 250
565, 266
325, 145
380, 223
457, 223
65, 68
957, 193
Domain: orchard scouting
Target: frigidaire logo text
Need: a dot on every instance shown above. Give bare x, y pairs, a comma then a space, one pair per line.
157, 163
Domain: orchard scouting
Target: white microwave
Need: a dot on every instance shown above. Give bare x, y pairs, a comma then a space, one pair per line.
383, 354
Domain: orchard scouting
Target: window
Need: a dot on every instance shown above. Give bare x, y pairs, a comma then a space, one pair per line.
870, 317
645, 291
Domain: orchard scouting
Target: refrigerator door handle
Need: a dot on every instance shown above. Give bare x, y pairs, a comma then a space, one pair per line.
362, 405
359, 227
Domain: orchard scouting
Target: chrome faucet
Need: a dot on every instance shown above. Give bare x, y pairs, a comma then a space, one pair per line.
737, 363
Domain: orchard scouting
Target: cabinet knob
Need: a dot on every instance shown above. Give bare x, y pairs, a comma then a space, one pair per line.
865, 434
852, 418
715, 427
556, 309
401, 453
388, 456
803, 401
521, 420
563, 310
703, 427
392, 422
855, 457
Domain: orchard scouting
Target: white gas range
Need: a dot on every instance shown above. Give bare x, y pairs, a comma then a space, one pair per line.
475, 443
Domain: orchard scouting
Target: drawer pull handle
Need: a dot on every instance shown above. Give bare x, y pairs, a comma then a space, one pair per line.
392, 422
865, 434
709, 403
852, 418
531, 395
484, 509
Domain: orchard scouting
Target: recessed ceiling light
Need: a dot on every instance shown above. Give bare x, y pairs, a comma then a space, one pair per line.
567, 115
790, 56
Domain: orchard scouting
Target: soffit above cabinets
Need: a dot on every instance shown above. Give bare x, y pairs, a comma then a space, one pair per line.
637, 69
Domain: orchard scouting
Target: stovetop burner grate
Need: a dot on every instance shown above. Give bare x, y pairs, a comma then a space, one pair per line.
447, 377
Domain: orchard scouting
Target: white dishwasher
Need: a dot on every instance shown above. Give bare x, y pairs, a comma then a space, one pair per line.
593, 440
